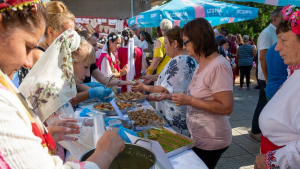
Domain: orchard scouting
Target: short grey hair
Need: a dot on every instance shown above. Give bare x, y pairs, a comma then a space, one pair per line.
134, 27
165, 25
276, 12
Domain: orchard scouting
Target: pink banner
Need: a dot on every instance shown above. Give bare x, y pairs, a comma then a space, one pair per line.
136, 19
272, 2
176, 23
231, 20
199, 10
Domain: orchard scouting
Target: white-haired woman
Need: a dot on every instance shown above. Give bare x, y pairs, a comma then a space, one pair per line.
160, 58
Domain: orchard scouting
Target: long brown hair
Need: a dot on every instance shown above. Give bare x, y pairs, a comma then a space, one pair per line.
174, 34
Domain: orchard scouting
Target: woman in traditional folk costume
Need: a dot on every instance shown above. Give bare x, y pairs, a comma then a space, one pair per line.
20, 128
279, 120
108, 60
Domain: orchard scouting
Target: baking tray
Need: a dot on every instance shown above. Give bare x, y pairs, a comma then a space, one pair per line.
141, 128
138, 101
177, 151
111, 112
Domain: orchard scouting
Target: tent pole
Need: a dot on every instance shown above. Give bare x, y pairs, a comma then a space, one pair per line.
132, 14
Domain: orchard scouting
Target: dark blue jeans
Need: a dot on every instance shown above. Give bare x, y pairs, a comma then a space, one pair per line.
262, 101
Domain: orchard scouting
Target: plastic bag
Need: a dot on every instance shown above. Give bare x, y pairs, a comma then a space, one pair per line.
123, 135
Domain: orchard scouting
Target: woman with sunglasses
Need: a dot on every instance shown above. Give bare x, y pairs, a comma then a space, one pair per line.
174, 78
209, 97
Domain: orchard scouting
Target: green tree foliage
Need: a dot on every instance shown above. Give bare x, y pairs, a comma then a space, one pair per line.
154, 29
251, 27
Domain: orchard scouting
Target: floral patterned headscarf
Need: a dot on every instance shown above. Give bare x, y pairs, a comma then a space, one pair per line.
51, 83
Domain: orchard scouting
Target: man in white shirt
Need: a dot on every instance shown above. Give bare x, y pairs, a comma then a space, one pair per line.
266, 39
136, 30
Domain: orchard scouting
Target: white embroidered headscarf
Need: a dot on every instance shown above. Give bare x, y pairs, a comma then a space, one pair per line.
51, 83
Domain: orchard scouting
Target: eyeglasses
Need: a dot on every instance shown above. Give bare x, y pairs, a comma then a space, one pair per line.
186, 42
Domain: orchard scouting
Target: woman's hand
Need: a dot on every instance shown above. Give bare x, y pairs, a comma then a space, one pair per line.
163, 96
108, 147
260, 162
181, 99
124, 71
148, 79
60, 128
138, 86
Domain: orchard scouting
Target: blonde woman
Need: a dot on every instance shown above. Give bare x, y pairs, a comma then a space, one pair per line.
239, 39
59, 19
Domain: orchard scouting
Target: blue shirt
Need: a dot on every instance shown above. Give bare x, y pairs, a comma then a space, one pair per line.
245, 55
222, 51
218, 38
277, 71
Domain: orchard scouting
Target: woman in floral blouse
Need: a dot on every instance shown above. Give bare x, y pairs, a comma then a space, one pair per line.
174, 78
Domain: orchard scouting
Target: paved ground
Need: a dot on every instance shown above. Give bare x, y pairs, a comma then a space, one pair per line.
243, 149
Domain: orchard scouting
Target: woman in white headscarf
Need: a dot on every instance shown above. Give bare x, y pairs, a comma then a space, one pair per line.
131, 56
51, 83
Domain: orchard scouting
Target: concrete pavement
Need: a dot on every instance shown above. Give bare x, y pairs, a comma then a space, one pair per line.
243, 149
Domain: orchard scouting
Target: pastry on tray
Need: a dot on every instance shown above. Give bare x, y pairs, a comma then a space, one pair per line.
108, 106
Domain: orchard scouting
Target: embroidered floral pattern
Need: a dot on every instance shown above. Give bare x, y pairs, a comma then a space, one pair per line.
66, 67
270, 160
42, 93
172, 69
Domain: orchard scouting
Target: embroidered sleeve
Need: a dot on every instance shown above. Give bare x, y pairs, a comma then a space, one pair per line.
271, 160
285, 157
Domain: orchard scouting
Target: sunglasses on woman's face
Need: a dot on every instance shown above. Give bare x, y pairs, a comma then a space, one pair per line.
186, 42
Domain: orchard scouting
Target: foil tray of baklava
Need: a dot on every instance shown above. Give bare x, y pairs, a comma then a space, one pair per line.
172, 142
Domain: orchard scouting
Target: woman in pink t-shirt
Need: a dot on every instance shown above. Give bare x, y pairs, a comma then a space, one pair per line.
209, 96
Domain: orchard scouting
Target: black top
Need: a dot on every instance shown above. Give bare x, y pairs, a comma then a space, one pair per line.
92, 68
23, 71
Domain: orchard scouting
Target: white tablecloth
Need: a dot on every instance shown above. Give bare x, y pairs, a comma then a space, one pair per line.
187, 159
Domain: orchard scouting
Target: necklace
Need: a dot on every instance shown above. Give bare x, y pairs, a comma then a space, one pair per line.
47, 44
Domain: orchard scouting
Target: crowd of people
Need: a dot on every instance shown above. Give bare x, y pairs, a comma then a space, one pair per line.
193, 71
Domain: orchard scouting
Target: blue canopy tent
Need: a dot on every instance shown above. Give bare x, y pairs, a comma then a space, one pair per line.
182, 11
274, 2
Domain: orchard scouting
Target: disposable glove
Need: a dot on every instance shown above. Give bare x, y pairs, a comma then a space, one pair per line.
100, 93
93, 84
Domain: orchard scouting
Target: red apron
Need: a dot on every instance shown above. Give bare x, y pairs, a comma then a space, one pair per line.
114, 65
266, 145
